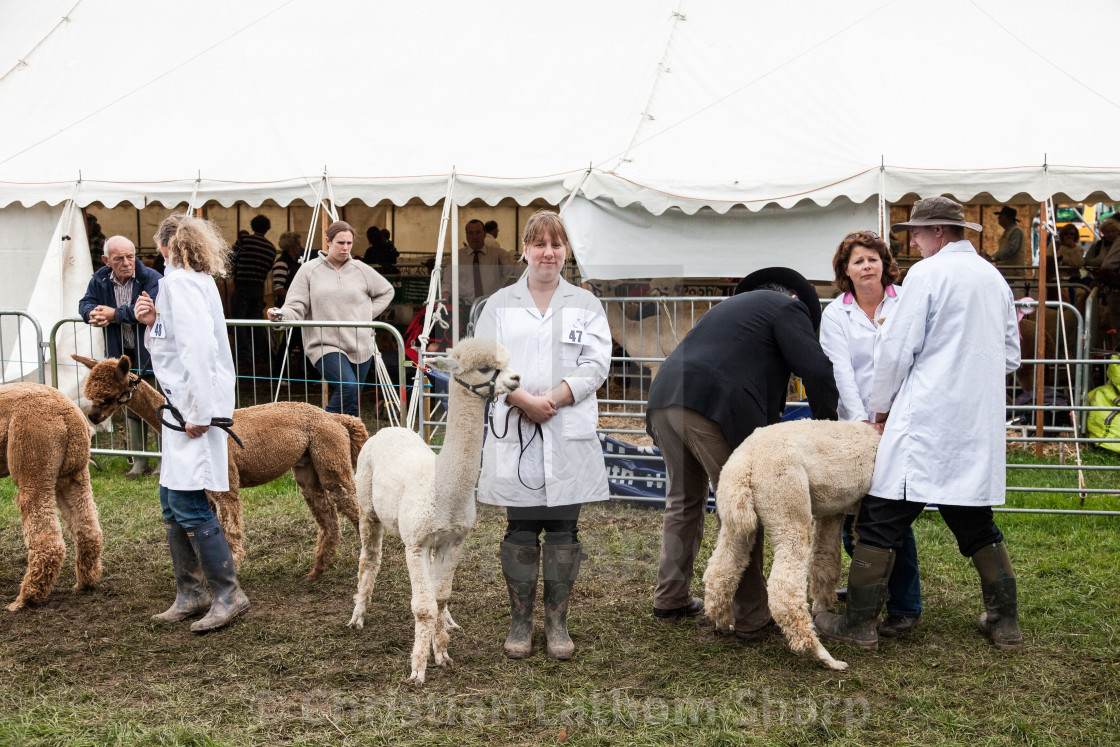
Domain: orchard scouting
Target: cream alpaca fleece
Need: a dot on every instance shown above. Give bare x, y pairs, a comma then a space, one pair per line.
354, 292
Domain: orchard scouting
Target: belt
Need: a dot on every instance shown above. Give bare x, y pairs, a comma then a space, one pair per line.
225, 424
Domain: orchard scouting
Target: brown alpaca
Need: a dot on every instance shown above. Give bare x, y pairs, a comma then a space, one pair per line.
320, 448
45, 448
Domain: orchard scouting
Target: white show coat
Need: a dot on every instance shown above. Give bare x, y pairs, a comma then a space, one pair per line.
571, 342
192, 361
848, 338
946, 350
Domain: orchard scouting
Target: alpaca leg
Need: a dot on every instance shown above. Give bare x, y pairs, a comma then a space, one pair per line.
445, 559
325, 515
786, 589
369, 563
330, 465
725, 569
824, 562
42, 536
79, 512
423, 608
227, 507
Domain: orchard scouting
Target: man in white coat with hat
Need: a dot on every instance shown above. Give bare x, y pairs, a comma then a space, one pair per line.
939, 370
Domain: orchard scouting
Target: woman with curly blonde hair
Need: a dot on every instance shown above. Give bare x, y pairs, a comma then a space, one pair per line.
191, 358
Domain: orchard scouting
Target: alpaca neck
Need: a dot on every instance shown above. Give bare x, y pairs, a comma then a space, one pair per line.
145, 402
457, 464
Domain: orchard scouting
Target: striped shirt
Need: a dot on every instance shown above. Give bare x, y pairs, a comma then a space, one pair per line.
255, 255
122, 293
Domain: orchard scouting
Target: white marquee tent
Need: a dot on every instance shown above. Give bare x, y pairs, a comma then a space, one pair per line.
698, 137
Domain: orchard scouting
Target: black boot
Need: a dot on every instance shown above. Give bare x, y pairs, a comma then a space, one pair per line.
519, 565
191, 596
1000, 621
217, 564
560, 568
867, 592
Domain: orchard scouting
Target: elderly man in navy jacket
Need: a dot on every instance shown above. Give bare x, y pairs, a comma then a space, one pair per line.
108, 303
728, 376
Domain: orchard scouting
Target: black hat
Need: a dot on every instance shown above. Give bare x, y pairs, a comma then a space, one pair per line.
1010, 212
791, 279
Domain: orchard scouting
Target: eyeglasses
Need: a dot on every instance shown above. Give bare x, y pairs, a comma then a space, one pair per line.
855, 234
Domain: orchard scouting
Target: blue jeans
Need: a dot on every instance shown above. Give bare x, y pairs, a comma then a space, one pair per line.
904, 587
189, 508
345, 381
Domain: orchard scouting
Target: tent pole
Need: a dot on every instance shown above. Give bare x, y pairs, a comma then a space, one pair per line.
1040, 332
454, 270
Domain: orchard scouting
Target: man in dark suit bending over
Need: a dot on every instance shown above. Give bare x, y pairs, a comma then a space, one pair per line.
728, 376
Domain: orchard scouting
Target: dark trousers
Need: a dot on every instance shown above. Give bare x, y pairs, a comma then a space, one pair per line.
695, 451
559, 524
904, 587
882, 523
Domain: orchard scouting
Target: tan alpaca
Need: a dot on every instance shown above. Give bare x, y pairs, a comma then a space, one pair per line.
657, 334
44, 446
320, 448
428, 500
792, 477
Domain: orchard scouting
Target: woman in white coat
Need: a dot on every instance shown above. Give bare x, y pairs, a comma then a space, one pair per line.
191, 358
864, 272
542, 458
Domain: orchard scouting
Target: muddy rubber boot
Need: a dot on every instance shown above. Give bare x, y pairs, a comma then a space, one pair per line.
867, 593
560, 567
519, 566
217, 565
136, 443
191, 596
1000, 620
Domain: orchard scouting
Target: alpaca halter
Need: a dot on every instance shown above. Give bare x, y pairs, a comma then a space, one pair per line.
476, 389
125, 396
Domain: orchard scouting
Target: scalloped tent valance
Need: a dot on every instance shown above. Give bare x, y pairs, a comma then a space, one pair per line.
675, 104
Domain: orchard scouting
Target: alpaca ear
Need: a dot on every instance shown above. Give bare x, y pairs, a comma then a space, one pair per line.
123, 365
450, 364
87, 362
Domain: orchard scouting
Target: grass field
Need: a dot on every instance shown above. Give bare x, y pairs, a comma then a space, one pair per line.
89, 667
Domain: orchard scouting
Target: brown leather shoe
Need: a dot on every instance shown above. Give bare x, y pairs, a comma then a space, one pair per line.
692, 609
896, 626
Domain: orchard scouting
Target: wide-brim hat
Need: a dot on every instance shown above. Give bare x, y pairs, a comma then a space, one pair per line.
791, 279
936, 211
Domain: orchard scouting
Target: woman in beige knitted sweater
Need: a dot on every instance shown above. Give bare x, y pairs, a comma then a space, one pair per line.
335, 287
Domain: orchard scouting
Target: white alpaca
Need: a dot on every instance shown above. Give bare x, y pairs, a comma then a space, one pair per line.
428, 500
790, 476
656, 334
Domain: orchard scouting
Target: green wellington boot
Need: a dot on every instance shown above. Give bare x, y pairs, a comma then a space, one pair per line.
519, 566
867, 593
191, 596
1000, 619
560, 567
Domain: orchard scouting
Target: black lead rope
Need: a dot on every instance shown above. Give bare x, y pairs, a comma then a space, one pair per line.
487, 391
225, 424
522, 444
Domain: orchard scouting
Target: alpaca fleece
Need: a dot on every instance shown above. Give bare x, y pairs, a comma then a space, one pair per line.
320, 448
44, 446
795, 478
428, 500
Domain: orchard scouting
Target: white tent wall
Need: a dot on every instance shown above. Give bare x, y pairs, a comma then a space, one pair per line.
58, 286
707, 244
